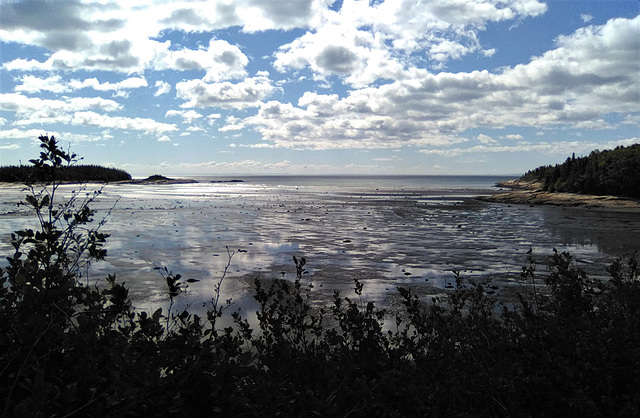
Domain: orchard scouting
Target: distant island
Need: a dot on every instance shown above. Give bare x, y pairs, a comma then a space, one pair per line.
227, 181
158, 179
70, 174
602, 180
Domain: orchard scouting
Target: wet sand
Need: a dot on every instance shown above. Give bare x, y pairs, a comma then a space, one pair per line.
385, 238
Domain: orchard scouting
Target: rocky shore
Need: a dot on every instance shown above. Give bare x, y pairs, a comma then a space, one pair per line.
531, 193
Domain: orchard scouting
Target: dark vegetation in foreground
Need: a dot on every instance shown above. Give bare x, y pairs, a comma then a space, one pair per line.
569, 345
60, 172
613, 172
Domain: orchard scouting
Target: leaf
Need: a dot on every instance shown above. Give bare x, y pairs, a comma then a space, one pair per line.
192, 280
21, 279
157, 315
32, 200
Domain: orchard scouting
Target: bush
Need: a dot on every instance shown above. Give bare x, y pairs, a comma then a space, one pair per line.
567, 346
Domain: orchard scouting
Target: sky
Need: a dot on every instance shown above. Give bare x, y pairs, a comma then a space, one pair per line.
438, 87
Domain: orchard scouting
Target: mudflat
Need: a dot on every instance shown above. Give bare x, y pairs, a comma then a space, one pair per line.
386, 235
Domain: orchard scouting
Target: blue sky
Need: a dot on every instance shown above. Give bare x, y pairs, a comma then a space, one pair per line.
319, 86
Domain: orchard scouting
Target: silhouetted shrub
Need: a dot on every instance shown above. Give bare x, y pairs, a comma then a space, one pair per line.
568, 345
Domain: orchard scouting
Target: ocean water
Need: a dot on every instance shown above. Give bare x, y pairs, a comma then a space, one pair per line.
386, 231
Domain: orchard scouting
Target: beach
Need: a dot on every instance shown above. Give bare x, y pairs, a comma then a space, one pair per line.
384, 232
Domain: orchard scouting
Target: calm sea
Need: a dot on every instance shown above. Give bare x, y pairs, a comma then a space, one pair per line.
435, 183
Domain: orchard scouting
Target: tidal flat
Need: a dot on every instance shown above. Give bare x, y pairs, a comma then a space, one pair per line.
385, 233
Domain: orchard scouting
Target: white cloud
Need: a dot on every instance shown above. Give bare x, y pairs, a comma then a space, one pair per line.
591, 73
163, 88
384, 51
187, 115
55, 84
365, 43
248, 93
33, 110
119, 35
221, 61
32, 135
32, 84
358, 55
485, 139
117, 122
586, 18
126, 84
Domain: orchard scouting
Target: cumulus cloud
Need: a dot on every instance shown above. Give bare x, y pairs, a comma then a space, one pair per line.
220, 61
163, 88
392, 55
366, 43
118, 122
32, 110
247, 93
120, 35
33, 84
587, 75
187, 115
29, 134
55, 84
93, 83
485, 139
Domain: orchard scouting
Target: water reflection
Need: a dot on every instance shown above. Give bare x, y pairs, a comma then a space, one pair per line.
384, 237
614, 234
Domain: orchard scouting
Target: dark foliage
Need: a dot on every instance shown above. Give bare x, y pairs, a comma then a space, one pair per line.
568, 346
63, 172
157, 177
615, 172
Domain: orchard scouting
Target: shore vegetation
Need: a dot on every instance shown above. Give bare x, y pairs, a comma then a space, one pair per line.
566, 345
59, 172
611, 172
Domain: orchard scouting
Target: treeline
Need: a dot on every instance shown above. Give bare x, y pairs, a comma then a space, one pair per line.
611, 172
74, 173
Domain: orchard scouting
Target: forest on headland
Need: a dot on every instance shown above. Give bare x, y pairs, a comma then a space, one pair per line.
70, 174
56, 165
567, 344
611, 172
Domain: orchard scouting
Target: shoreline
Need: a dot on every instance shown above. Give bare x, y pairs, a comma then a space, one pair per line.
531, 193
